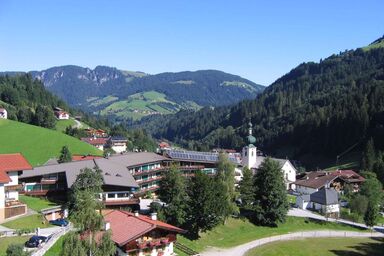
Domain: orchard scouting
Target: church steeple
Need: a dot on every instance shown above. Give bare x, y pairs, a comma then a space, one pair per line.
250, 138
249, 153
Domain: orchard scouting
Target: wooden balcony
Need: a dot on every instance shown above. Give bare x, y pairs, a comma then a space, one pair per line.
14, 208
13, 188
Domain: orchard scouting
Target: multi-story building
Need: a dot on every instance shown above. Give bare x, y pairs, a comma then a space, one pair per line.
11, 166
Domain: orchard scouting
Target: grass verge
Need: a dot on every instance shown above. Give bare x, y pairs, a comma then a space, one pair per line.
30, 222
36, 203
240, 231
322, 247
5, 241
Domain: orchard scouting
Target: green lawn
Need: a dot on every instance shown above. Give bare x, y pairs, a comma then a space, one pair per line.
239, 231
5, 241
322, 247
61, 125
56, 248
36, 203
38, 144
30, 222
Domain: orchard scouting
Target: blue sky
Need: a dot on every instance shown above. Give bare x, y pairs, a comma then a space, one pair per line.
259, 40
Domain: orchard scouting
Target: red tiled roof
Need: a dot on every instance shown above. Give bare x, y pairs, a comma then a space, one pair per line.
12, 162
126, 226
95, 141
82, 158
4, 178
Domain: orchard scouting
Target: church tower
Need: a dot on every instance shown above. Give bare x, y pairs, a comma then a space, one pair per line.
249, 153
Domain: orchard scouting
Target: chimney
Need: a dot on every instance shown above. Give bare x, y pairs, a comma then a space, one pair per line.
107, 226
154, 216
136, 213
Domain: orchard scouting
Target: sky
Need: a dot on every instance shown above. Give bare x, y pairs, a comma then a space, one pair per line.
258, 40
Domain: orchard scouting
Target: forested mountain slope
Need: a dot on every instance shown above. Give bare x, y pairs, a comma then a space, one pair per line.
318, 109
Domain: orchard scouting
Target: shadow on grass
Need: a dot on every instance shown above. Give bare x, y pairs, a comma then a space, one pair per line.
363, 249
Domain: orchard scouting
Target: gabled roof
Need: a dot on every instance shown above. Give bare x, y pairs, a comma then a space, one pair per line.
134, 159
319, 179
95, 141
325, 196
126, 226
12, 162
113, 174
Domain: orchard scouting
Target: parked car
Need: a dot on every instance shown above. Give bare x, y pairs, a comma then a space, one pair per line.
36, 241
59, 222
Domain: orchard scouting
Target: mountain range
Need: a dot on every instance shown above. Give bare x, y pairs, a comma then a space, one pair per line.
123, 95
316, 111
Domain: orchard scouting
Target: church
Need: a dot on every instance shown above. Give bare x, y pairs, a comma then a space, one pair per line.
250, 159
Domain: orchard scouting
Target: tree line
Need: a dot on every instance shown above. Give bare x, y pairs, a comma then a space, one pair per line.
201, 202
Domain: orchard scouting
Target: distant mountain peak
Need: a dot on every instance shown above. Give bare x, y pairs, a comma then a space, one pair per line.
378, 43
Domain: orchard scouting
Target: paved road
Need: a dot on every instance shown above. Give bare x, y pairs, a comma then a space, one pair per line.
242, 249
308, 214
78, 125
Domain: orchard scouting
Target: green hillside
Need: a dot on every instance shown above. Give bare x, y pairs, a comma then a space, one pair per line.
38, 144
141, 104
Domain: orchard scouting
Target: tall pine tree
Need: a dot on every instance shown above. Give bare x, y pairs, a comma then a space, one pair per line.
369, 156
246, 189
270, 194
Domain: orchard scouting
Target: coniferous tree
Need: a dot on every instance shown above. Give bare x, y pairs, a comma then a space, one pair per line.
369, 156
84, 204
106, 247
246, 189
72, 245
173, 192
65, 155
371, 215
271, 203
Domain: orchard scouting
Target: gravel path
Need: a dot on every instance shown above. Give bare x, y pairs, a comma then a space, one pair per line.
242, 249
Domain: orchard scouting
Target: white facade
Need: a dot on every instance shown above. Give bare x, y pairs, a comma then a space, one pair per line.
119, 147
63, 116
289, 173
3, 114
12, 195
167, 251
249, 156
2, 201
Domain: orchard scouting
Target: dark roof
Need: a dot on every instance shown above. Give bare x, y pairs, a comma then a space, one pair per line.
197, 156
113, 174
319, 179
118, 138
325, 196
315, 180
134, 159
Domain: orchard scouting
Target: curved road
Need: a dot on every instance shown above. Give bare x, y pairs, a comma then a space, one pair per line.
242, 249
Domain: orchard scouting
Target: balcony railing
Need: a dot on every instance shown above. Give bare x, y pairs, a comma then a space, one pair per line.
118, 198
164, 168
149, 180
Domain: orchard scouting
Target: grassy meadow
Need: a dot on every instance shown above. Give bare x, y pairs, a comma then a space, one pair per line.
38, 144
